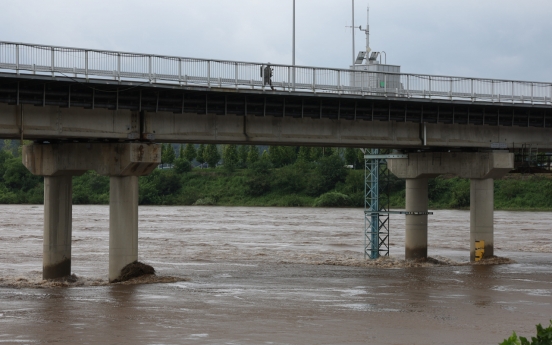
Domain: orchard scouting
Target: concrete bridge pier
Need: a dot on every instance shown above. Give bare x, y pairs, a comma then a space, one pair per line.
480, 167
481, 215
415, 245
123, 223
56, 261
123, 162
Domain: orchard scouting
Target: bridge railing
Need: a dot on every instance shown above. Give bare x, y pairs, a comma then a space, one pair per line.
98, 64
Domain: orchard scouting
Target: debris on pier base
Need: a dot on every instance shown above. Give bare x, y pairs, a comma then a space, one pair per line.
134, 270
494, 260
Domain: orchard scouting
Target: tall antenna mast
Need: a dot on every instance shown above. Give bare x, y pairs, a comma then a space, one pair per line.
353, 30
353, 27
367, 31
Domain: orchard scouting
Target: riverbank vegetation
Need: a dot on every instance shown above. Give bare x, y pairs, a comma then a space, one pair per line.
544, 337
233, 175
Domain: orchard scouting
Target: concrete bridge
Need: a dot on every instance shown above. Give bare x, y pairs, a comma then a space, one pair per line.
102, 110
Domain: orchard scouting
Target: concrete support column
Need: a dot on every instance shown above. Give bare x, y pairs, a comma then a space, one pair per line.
123, 223
58, 212
416, 225
123, 162
480, 167
481, 215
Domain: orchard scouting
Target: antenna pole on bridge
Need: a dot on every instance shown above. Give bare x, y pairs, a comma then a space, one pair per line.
353, 30
367, 33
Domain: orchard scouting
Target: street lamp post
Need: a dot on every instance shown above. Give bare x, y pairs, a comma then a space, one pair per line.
293, 48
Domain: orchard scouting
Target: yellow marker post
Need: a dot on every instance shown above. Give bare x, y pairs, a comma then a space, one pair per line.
479, 250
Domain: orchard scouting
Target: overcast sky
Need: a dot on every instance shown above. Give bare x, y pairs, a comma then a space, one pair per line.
503, 39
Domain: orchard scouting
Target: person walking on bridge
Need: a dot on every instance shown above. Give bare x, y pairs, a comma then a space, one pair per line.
267, 75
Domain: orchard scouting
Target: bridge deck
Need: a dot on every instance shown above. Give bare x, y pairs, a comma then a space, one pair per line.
114, 95
90, 95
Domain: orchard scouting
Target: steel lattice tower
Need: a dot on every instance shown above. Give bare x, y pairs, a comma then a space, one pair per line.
376, 205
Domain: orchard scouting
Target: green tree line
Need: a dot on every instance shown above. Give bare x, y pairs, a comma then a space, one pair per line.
251, 175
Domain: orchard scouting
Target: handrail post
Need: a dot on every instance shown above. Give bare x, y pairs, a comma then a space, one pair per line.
17, 58
513, 92
289, 79
86, 64
263, 77
209, 73
294, 76
339, 81
52, 67
119, 66
180, 71
450, 92
429, 92
408, 85
532, 86
149, 68
314, 79
472, 94
492, 91
236, 74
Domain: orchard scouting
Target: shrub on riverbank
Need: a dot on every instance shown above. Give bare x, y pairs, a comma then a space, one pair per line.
544, 337
332, 199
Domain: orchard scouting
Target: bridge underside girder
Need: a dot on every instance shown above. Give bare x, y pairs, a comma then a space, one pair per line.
136, 111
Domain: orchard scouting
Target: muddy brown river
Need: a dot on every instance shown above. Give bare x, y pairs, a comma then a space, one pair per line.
243, 275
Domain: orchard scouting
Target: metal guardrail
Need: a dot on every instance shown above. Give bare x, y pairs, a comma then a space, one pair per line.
89, 63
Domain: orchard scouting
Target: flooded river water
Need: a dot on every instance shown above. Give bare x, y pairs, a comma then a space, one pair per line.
237, 275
